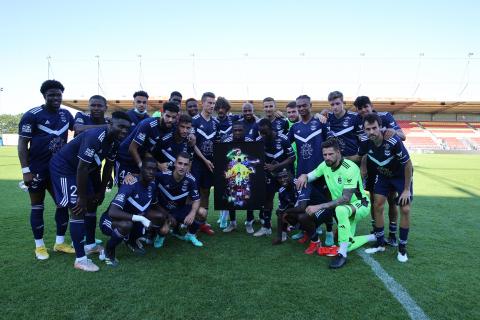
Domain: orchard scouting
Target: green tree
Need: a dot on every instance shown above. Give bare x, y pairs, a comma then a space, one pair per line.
9, 123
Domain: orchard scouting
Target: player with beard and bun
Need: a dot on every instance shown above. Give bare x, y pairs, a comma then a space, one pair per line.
140, 108
278, 155
279, 124
390, 127
394, 174
174, 188
349, 199
309, 134
127, 214
42, 132
71, 168
143, 139
344, 126
206, 133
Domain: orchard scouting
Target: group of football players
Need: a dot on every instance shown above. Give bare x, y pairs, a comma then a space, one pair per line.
319, 164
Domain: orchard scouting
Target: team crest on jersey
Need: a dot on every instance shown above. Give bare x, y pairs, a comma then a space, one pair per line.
149, 191
120, 197
207, 147
141, 136
89, 152
345, 122
63, 117
306, 151
26, 128
339, 180
55, 144
313, 127
387, 153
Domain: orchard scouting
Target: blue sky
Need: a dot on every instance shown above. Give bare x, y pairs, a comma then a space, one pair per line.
242, 50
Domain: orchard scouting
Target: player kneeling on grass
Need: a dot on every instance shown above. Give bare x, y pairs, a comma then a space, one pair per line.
174, 188
126, 217
350, 201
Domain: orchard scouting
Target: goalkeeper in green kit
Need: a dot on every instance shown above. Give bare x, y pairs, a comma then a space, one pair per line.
350, 201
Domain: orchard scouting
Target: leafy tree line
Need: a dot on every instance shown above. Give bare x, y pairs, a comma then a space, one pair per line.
9, 123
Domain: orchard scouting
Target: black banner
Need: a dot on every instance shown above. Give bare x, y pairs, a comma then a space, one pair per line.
239, 177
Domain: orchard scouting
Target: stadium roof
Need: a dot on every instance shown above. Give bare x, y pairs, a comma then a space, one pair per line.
403, 106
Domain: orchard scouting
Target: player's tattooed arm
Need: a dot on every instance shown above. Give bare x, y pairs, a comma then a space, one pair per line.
344, 199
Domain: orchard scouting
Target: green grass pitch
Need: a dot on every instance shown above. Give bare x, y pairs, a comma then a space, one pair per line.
238, 277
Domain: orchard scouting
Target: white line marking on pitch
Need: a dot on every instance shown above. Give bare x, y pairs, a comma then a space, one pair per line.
397, 290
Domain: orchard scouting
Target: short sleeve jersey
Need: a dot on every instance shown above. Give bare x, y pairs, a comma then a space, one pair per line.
167, 149
388, 122
251, 128
225, 125
229, 138
308, 138
91, 147
85, 119
147, 134
172, 194
135, 198
47, 132
389, 158
278, 149
345, 176
345, 129
287, 197
136, 118
206, 133
280, 125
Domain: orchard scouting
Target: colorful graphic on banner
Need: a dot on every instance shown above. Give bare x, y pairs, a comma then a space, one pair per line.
239, 175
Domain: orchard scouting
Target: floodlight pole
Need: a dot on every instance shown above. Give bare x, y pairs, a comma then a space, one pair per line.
417, 75
193, 74
467, 74
360, 72
48, 67
98, 73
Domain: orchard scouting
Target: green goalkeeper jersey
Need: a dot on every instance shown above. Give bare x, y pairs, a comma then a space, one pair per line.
346, 176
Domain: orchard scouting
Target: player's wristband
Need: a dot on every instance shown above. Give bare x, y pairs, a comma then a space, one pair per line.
25, 170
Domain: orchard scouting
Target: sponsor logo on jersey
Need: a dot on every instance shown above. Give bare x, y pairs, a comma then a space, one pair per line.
120, 197
26, 128
89, 152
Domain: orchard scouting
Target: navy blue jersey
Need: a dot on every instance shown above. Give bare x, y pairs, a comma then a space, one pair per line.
167, 149
146, 135
251, 128
278, 149
172, 194
90, 146
229, 138
225, 125
287, 197
388, 122
389, 158
135, 198
206, 132
345, 129
136, 118
47, 132
86, 119
280, 125
308, 138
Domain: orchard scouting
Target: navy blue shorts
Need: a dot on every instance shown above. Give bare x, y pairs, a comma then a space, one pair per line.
385, 185
180, 213
201, 173
65, 189
41, 180
105, 224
